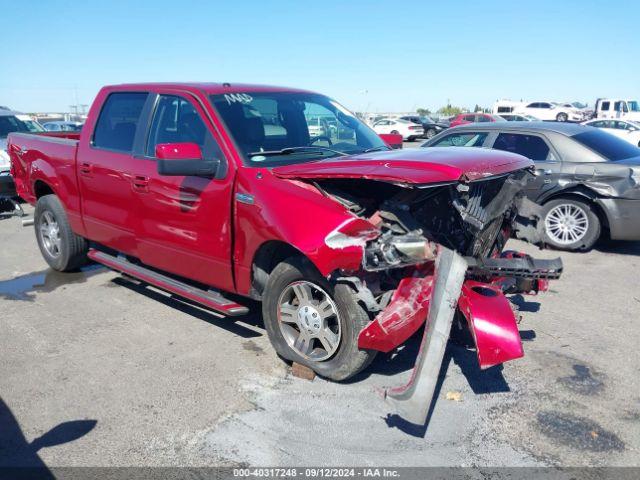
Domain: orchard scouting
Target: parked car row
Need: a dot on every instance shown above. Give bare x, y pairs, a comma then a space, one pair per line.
588, 180
543, 110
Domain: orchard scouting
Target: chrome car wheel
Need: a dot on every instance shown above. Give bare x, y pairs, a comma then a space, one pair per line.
309, 320
50, 234
566, 224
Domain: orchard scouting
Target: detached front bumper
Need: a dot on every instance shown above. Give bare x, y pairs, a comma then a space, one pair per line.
475, 288
481, 302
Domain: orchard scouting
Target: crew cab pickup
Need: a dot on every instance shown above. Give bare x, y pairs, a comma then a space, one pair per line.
219, 192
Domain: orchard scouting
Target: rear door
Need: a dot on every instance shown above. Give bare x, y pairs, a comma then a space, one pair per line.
104, 172
537, 148
185, 222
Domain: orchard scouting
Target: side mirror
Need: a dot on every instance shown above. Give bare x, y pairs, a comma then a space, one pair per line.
185, 160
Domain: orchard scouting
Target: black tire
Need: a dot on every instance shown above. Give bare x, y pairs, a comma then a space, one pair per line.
72, 249
561, 117
431, 133
348, 359
593, 226
394, 132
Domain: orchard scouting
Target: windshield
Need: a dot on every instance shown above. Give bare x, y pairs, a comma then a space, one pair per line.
264, 123
32, 125
633, 106
10, 123
607, 145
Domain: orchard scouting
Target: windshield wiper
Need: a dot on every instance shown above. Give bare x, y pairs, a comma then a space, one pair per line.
290, 150
375, 149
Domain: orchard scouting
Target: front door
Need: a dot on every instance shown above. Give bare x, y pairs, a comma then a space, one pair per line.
185, 222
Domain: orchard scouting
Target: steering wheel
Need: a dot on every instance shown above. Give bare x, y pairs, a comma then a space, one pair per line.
321, 137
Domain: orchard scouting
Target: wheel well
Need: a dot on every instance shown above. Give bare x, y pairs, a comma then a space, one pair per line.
588, 198
268, 256
41, 189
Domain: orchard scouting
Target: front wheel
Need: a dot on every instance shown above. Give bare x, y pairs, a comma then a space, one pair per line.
62, 249
562, 117
431, 133
570, 224
314, 323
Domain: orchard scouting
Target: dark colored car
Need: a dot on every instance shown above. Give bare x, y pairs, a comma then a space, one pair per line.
464, 118
11, 121
430, 126
588, 181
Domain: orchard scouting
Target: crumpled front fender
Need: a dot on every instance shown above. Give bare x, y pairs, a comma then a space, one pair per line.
492, 323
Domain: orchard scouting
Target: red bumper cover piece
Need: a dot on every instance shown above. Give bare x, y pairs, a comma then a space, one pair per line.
492, 323
488, 312
403, 316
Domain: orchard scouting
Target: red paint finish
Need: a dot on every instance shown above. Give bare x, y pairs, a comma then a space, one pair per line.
492, 323
178, 151
411, 166
403, 316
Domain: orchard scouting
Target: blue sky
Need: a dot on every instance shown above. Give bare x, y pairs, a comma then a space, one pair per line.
381, 55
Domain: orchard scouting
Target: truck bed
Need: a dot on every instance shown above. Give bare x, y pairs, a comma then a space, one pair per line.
46, 161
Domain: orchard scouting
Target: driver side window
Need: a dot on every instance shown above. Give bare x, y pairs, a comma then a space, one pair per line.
175, 120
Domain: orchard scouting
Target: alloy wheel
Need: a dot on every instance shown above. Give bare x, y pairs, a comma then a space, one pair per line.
566, 223
309, 320
50, 234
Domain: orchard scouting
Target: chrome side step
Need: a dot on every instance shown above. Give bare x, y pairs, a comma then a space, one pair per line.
209, 299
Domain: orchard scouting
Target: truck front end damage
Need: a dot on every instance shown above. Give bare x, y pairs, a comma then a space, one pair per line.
434, 253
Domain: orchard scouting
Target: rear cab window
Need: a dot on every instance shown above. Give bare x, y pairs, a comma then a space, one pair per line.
118, 121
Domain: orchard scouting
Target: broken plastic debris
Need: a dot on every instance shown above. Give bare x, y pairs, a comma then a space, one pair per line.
455, 396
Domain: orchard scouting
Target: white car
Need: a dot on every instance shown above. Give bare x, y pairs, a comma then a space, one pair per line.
627, 130
550, 111
409, 130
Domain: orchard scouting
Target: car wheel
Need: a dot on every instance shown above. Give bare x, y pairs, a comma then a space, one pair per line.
431, 133
395, 132
570, 224
314, 323
62, 249
561, 117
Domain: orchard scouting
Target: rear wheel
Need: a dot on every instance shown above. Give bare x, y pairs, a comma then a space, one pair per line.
562, 117
570, 224
62, 249
314, 323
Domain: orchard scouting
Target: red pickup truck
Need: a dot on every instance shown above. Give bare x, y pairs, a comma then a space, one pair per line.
219, 192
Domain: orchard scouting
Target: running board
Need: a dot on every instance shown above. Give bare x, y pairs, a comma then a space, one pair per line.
209, 299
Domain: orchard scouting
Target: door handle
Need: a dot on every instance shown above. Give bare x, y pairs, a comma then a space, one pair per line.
140, 183
86, 168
